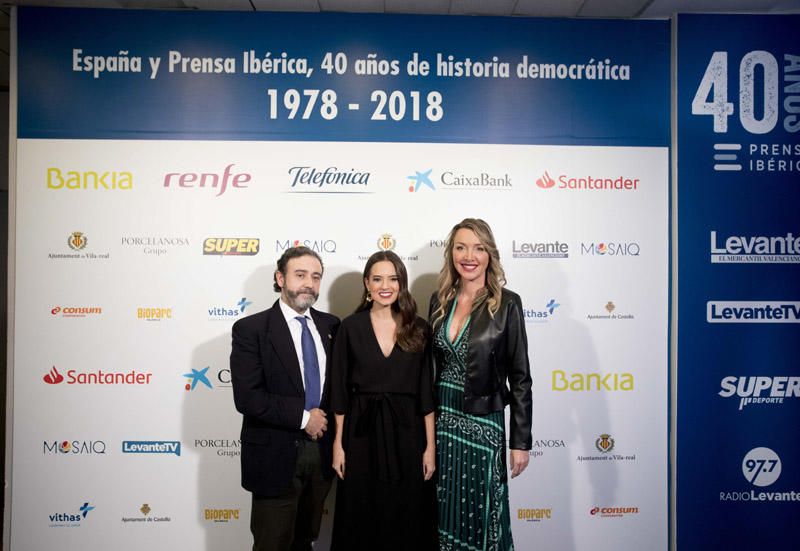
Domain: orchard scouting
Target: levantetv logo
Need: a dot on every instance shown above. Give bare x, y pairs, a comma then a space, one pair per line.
152, 446
70, 520
756, 249
307, 179
762, 390
724, 311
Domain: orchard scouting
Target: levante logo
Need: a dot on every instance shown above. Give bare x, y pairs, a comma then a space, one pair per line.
755, 249
725, 311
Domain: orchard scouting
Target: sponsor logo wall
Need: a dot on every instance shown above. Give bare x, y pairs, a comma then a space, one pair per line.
150, 224
739, 302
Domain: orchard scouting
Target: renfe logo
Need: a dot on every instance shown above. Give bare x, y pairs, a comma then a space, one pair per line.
721, 311
209, 179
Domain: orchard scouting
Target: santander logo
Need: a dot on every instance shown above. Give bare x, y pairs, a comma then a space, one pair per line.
53, 377
545, 181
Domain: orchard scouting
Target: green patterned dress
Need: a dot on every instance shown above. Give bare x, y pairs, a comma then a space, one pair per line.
472, 491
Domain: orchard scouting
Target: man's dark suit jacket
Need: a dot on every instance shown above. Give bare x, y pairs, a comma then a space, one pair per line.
268, 392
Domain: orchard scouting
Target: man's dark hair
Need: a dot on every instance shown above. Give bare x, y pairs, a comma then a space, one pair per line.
288, 254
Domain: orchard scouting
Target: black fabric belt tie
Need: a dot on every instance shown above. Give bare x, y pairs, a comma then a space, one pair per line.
380, 424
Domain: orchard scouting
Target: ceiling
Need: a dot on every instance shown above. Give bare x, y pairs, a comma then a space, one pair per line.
515, 8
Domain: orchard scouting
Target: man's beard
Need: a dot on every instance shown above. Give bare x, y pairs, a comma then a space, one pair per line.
301, 299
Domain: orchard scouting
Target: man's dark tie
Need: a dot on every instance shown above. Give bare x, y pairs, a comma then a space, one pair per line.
310, 365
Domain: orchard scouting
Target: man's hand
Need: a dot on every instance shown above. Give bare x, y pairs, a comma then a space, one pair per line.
519, 460
317, 423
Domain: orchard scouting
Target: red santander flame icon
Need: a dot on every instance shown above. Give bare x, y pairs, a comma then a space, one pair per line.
545, 181
54, 377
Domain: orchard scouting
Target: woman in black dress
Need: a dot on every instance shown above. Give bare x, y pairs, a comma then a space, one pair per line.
382, 397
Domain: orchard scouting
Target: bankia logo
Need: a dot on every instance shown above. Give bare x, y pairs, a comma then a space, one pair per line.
72, 519
97, 377
74, 447
534, 514
609, 249
316, 245
216, 313
78, 248
309, 179
231, 246
563, 381
539, 249
541, 316
755, 249
215, 181
169, 447
146, 518
586, 182
760, 389
76, 311
155, 245
761, 467
100, 180
150, 313
726, 311
421, 179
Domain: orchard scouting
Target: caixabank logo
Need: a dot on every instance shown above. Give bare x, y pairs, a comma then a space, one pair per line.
72, 518
231, 246
587, 182
761, 467
760, 390
147, 516
201, 378
97, 377
73, 447
754, 249
77, 247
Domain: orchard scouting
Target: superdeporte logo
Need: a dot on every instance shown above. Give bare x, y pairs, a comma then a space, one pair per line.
98, 377
231, 246
152, 446
760, 390
756, 249
725, 311
215, 181
587, 182
761, 467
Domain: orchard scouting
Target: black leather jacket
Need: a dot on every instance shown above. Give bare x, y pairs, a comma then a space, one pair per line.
498, 370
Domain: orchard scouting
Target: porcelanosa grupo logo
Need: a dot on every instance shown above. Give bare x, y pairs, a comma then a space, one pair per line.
97, 377
221, 447
215, 181
760, 390
71, 519
761, 467
308, 179
587, 182
543, 315
155, 245
216, 313
755, 249
75, 311
727, 311
542, 445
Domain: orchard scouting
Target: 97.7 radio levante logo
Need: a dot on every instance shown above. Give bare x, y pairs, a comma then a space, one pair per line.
761, 467
761, 110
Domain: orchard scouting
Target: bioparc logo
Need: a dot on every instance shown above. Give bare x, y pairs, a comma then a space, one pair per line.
229, 312
78, 244
534, 515
316, 245
541, 316
214, 181
97, 377
74, 447
169, 447
610, 249
761, 467
586, 182
76, 311
71, 519
726, 311
605, 444
755, 249
221, 515
760, 390
154, 314
231, 246
308, 179
145, 510
201, 378
615, 512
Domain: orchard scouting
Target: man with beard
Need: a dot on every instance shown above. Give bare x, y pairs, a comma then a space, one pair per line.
278, 373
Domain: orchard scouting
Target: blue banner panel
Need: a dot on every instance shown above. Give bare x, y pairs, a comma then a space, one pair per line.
115, 74
738, 472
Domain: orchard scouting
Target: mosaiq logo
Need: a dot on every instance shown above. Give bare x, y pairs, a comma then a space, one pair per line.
755, 249
587, 182
214, 181
761, 467
760, 390
610, 248
316, 245
74, 447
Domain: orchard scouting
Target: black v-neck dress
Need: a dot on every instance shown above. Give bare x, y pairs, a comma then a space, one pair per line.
383, 501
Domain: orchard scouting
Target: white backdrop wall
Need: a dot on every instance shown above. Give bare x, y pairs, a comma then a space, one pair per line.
112, 277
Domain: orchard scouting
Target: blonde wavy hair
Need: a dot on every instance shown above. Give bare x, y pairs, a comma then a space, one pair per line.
448, 280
